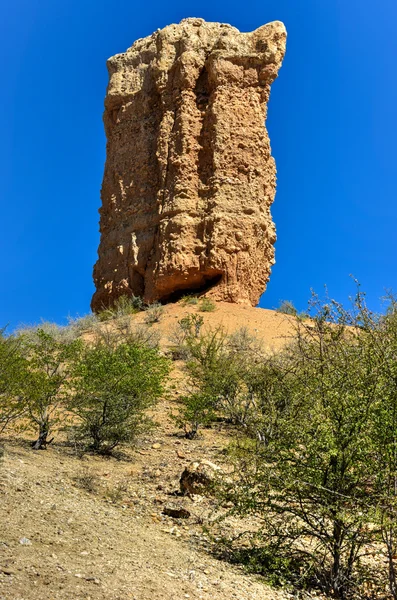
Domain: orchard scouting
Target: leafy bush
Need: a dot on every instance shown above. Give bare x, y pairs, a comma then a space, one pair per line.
187, 329
123, 306
80, 325
223, 378
382, 333
113, 388
197, 410
198, 406
191, 326
88, 481
315, 458
287, 308
125, 330
11, 369
207, 305
108, 382
308, 466
43, 384
59, 333
154, 312
190, 300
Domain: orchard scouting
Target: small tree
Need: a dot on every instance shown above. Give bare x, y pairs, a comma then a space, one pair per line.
204, 351
44, 382
223, 377
197, 410
383, 333
11, 368
379, 333
287, 308
311, 468
154, 312
187, 329
114, 385
207, 305
123, 306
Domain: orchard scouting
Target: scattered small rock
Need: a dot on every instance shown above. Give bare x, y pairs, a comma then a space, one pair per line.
24, 541
198, 477
7, 571
156, 446
93, 579
176, 513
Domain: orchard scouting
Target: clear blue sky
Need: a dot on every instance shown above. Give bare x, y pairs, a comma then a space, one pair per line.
332, 122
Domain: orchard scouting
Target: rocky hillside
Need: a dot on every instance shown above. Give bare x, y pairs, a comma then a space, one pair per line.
81, 526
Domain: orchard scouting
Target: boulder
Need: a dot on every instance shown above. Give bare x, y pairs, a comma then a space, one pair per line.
199, 477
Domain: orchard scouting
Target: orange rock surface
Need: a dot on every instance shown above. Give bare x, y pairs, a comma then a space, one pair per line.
189, 177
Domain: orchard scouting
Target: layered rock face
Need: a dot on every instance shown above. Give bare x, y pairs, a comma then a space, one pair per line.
189, 176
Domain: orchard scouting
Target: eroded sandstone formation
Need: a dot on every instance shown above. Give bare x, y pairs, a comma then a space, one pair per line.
189, 177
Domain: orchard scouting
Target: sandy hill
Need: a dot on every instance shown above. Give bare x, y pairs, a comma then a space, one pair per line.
86, 527
272, 327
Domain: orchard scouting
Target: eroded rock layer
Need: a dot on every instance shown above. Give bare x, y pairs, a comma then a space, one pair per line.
189, 177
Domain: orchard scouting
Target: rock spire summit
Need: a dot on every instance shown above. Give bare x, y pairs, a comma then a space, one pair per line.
189, 177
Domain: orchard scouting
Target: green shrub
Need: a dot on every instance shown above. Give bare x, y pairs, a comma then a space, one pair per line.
287, 308
11, 371
114, 385
224, 377
207, 305
383, 340
88, 481
190, 326
187, 329
80, 325
189, 300
197, 410
308, 468
123, 306
153, 313
44, 384
198, 406
221, 380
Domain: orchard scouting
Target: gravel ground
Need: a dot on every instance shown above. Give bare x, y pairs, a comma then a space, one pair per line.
59, 540
93, 528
